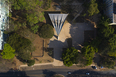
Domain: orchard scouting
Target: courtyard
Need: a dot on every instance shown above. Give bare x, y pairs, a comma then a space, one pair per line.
79, 32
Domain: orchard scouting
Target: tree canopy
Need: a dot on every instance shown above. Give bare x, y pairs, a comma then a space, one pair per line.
88, 52
25, 4
8, 52
31, 62
69, 56
26, 12
46, 31
18, 42
35, 28
93, 8
107, 36
24, 54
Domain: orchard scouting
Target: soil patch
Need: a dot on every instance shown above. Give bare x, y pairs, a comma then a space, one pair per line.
38, 43
39, 54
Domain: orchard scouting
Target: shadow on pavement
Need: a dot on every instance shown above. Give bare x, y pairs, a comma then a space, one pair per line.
57, 48
13, 73
82, 73
48, 73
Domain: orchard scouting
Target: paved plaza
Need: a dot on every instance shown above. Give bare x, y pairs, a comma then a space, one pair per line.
74, 31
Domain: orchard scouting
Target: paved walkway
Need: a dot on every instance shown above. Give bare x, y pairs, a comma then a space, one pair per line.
74, 31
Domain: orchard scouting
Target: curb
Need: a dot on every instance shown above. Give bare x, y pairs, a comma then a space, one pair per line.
36, 64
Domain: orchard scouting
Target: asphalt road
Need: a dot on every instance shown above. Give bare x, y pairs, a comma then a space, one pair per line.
48, 71
51, 72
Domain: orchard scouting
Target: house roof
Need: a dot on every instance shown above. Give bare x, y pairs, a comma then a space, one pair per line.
58, 21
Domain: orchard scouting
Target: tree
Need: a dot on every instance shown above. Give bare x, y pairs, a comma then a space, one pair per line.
46, 31
24, 55
31, 62
93, 8
107, 31
106, 61
112, 46
88, 52
35, 28
18, 42
107, 37
26, 12
8, 52
69, 56
25, 4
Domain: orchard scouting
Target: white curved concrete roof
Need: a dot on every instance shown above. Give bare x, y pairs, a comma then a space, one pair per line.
58, 21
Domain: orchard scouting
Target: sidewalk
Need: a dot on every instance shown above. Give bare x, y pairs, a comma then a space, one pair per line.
37, 64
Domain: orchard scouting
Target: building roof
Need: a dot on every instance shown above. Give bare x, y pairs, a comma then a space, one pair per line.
3, 20
114, 11
58, 21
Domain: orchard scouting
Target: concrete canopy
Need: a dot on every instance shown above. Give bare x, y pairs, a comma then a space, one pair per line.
58, 21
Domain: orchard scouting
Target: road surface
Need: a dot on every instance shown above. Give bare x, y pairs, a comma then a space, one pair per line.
48, 72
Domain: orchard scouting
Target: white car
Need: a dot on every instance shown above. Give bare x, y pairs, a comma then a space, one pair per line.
69, 72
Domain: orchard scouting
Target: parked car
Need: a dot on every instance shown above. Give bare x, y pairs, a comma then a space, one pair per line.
94, 67
69, 72
87, 73
102, 67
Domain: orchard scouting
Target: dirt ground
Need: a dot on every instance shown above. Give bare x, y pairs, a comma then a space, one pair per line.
39, 54
5, 65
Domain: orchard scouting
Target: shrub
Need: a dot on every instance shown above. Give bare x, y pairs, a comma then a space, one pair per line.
25, 55
18, 42
88, 52
8, 52
35, 28
31, 62
107, 62
93, 8
46, 31
69, 56
89, 62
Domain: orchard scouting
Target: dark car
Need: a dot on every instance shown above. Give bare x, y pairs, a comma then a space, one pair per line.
94, 67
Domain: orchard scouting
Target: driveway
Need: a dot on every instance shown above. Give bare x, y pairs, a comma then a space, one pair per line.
74, 31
